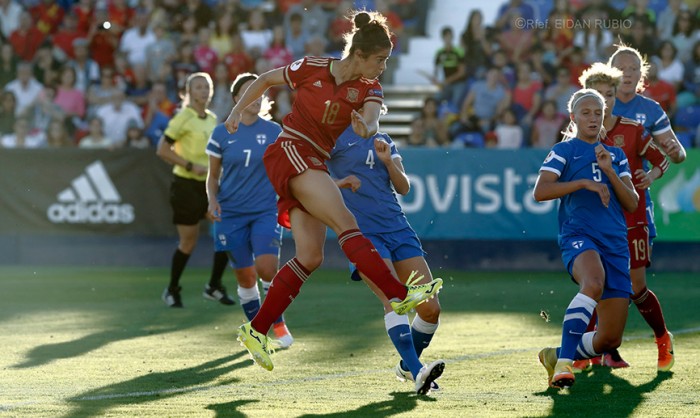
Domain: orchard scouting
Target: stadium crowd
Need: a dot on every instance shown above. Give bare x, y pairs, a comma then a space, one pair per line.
71, 68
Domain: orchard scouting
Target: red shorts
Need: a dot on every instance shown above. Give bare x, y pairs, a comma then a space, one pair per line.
284, 159
638, 242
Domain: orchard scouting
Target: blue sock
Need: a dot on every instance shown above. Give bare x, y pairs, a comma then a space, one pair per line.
266, 287
250, 301
422, 333
576, 319
400, 334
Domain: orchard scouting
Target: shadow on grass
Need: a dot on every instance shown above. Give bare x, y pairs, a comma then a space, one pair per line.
230, 409
400, 403
601, 393
155, 386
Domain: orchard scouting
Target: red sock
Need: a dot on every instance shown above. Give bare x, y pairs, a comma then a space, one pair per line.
362, 253
283, 289
593, 322
649, 307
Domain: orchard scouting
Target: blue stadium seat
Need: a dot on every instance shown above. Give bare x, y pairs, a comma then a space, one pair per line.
687, 118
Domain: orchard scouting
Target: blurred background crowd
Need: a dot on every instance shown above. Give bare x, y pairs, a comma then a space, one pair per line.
108, 73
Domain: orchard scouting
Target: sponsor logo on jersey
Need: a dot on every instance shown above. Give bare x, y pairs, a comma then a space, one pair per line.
577, 244
318, 83
353, 94
91, 199
375, 92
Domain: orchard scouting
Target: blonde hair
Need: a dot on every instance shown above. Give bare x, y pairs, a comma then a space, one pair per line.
571, 130
600, 73
188, 86
643, 64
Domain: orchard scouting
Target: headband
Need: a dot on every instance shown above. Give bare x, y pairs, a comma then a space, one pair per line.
583, 96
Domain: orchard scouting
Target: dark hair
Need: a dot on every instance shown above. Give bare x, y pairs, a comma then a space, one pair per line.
239, 82
370, 34
446, 31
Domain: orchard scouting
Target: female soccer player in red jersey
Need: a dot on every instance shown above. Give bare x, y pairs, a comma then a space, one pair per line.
331, 94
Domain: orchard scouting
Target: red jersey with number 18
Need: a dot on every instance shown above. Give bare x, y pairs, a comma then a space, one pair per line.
321, 110
637, 145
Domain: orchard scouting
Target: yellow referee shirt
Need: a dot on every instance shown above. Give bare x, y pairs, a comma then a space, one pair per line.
191, 133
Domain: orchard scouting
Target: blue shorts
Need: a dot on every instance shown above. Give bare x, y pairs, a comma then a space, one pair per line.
247, 236
650, 218
618, 283
396, 246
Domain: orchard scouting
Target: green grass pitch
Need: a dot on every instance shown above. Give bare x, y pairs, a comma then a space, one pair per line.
98, 342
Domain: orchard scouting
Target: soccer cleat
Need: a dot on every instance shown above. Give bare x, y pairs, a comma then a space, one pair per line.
548, 358
257, 344
217, 294
563, 376
582, 365
406, 376
614, 360
427, 376
282, 334
172, 298
666, 357
597, 361
417, 294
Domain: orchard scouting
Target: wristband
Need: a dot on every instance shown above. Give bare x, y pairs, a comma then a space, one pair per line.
188, 166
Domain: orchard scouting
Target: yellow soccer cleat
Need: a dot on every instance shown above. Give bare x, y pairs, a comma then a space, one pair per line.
548, 358
257, 344
563, 376
666, 357
417, 294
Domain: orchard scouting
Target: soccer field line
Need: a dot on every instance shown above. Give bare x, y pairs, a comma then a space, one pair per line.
332, 376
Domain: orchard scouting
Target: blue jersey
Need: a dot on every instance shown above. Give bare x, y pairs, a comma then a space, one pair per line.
244, 186
582, 212
374, 204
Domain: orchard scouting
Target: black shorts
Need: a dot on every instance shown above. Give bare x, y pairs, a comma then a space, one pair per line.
188, 199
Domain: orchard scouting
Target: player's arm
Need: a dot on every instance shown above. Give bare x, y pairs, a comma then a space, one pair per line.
212, 184
366, 123
622, 185
547, 187
397, 175
668, 142
253, 92
166, 152
659, 165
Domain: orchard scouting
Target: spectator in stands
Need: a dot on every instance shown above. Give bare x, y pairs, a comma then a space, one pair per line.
201, 12
10, 12
26, 38
670, 68
542, 70
204, 55
135, 137
48, 15
297, 36
44, 109
546, 130
509, 134
594, 38
639, 11
65, 35
492, 97
137, 90
256, 36
526, 98
137, 39
561, 90
475, 44
70, 98
576, 64
160, 54
83, 11
103, 38
186, 31
511, 10
57, 136
238, 61
116, 114
393, 21
119, 15
221, 103
339, 25
449, 60
96, 137
660, 90
22, 136
516, 41
86, 70
278, 55
8, 63
685, 34
668, 18
640, 39
8, 102
46, 67
428, 129
24, 87
103, 92
220, 40
314, 19
691, 79
603, 9
316, 46
560, 30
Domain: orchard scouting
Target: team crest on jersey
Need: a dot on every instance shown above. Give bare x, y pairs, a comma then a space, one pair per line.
577, 244
641, 118
295, 65
261, 138
315, 161
353, 94
619, 140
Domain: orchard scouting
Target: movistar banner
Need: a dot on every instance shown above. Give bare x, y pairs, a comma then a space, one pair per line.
476, 194
71, 191
677, 201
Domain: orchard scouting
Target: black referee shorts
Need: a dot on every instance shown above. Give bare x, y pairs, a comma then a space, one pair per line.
188, 199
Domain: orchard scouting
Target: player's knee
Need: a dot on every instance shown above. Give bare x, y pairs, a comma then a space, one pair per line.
429, 311
593, 287
310, 261
609, 342
267, 272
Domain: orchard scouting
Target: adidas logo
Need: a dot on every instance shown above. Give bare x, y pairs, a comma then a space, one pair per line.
318, 83
91, 198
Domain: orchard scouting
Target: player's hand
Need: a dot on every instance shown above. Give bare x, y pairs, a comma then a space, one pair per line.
643, 179
350, 182
199, 170
601, 189
383, 150
358, 124
214, 211
603, 157
232, 121
673, 149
